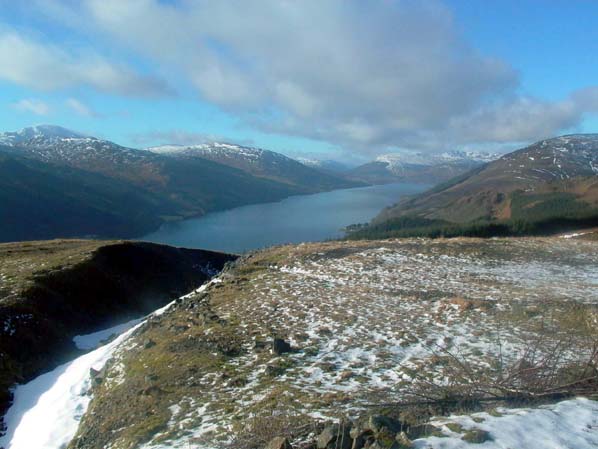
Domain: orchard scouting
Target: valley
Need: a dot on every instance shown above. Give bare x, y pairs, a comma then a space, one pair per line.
56, 183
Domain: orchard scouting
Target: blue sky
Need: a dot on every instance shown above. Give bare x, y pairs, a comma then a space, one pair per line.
342, 78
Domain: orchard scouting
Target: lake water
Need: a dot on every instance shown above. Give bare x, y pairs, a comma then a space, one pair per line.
303, 218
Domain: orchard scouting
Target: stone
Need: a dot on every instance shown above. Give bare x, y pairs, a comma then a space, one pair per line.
379, 423
335, 437
403, 441
279, 443
476, 436
423, 430
279, 346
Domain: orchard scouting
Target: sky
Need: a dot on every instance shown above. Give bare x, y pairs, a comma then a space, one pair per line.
339, 79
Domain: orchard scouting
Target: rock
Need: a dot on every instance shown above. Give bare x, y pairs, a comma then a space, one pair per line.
379, 424
148, 343
476, 436
335, 437
97, 376
279, 346
358, 441
402, 441
423, 430
279, 443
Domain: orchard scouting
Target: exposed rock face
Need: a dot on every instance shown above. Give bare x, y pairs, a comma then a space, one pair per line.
57, 289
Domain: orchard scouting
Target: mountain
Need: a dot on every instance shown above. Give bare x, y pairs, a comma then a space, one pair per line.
554, 179
39, 133
410, 166
40, 201
260, 163
328, 165
59, 183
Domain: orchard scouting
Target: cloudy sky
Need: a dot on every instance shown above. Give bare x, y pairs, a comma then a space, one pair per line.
344, 78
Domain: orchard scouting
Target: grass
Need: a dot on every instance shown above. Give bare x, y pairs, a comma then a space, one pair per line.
368, 319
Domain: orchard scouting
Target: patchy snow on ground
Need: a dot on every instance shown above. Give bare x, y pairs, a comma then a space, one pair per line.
366, 322
571, 424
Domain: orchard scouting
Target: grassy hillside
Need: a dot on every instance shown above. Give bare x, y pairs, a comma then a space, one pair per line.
547, 187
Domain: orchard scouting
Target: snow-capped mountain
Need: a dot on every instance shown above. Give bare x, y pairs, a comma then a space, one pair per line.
412, 166
259, 162
396, 162
329, 165
37, 133
57, 145
553, 177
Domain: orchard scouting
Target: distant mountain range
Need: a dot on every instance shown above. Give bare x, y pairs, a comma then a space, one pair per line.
58, 183
260, 163
549, 184
417, 167
328, 165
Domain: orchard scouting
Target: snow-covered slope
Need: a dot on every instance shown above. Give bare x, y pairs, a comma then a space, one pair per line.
412, 166
37, 132
326, 164
259, 162
397, 162
58, 145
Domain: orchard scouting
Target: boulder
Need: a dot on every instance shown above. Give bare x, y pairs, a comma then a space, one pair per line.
279, 346
336, 436
379, 424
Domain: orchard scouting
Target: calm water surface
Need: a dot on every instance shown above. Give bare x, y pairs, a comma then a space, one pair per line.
304, 218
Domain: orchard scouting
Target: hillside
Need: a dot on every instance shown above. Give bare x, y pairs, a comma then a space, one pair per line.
370, 325
51, 291
555, 180
261, 163
419, 167
74, 185
40, 200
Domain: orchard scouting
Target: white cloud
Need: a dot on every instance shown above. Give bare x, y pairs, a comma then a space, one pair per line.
48, 67
80, 108
32, 105
363, 75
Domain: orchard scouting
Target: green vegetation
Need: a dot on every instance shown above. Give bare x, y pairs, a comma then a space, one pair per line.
532, 214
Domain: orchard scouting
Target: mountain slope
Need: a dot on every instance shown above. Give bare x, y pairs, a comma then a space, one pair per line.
40, 200
419, 167
552, 179
261, 163
74, 185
